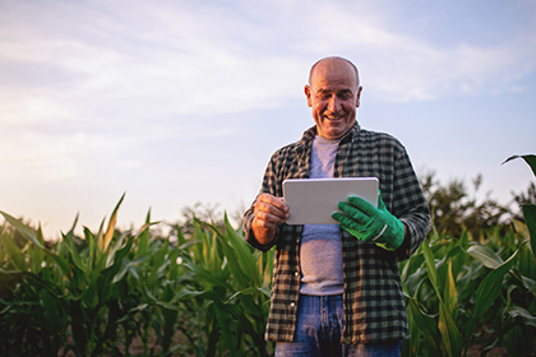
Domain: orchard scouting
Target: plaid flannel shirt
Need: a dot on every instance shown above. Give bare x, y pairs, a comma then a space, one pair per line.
373, 300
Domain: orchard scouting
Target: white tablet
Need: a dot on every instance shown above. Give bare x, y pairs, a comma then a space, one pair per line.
312, 201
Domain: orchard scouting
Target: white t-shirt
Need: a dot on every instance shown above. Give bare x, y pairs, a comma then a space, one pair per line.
321, 250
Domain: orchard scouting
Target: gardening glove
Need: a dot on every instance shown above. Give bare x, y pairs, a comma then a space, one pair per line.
370, 224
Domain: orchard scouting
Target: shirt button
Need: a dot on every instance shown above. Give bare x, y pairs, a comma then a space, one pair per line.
292, 304
297, 273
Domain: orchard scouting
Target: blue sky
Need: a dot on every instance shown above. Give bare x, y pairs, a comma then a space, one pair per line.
179, 102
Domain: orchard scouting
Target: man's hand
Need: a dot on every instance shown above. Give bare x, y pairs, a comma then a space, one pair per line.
268, 212
370, 224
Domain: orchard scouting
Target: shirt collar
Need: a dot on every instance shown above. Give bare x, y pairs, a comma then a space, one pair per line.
309, 135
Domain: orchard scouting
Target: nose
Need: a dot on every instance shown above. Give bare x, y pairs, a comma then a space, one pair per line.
334, 104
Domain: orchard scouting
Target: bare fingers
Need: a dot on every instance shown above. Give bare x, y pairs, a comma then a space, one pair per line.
271, 210
268, 212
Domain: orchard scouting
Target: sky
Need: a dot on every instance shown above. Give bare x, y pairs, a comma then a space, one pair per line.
177, 103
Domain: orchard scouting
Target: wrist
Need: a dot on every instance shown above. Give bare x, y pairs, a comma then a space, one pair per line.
263, 235
392, 235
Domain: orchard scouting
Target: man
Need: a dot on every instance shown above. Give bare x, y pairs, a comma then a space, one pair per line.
336, 288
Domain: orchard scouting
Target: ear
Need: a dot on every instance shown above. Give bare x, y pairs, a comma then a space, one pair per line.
358, 102
307, 91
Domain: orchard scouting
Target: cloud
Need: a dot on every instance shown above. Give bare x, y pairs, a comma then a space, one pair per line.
168, 65
146, 61
155, 98
155, 71
401, 66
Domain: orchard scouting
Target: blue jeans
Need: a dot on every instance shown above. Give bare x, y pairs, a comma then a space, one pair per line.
318, 333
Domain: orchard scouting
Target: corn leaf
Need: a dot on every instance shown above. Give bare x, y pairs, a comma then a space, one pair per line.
450, 296
486, 256
90, 240
268, 267
529, 284
183, 294
215, 260
411, 346
200, 249
524, 314
51, 307
527, 261
111, 226
126, 267
529, 159
143, 239
13, 252
27, 233
430, 265
207, 276
99, 247
157, 261
457, 256
112, 249
24, 230
74, 253
427, 325
529, 213
247, 291
37, 259
235, 257
3, 254
233, 264
170, 318
247, 260
71, 231
228, 334
36, 281
491, 287
452, 339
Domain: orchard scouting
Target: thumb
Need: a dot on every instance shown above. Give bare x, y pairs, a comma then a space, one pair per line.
381, 205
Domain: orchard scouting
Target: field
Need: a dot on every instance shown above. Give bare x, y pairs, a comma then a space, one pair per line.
202, 291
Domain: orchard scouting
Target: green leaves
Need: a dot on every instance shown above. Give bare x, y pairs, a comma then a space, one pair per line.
455, 287
213, 289
206, 292
529, 213
529, 159
491, 287
447, 303
233, 279
529, 210
110, 288
485, 255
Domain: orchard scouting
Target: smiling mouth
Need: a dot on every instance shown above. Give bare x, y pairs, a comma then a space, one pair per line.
333, 118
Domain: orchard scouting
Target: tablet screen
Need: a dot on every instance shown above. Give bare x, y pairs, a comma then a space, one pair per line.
312, 201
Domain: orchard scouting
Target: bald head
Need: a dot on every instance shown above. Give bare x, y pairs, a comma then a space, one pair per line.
333, 63
333, 95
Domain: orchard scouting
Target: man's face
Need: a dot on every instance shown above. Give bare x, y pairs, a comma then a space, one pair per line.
333, 96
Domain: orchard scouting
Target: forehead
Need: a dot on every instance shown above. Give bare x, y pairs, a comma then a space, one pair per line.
333, 75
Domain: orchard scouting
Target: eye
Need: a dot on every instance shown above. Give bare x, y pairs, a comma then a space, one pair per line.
323, 95
345, 95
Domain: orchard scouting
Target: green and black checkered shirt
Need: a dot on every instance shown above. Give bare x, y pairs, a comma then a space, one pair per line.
373, 300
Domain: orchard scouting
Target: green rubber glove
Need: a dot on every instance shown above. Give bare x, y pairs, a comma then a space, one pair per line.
370, 224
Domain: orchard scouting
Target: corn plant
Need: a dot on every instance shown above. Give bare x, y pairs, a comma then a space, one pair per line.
458, 290
29, 314
529, 210
235, 281
202, 295
67, 288
207, 293
78, 299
